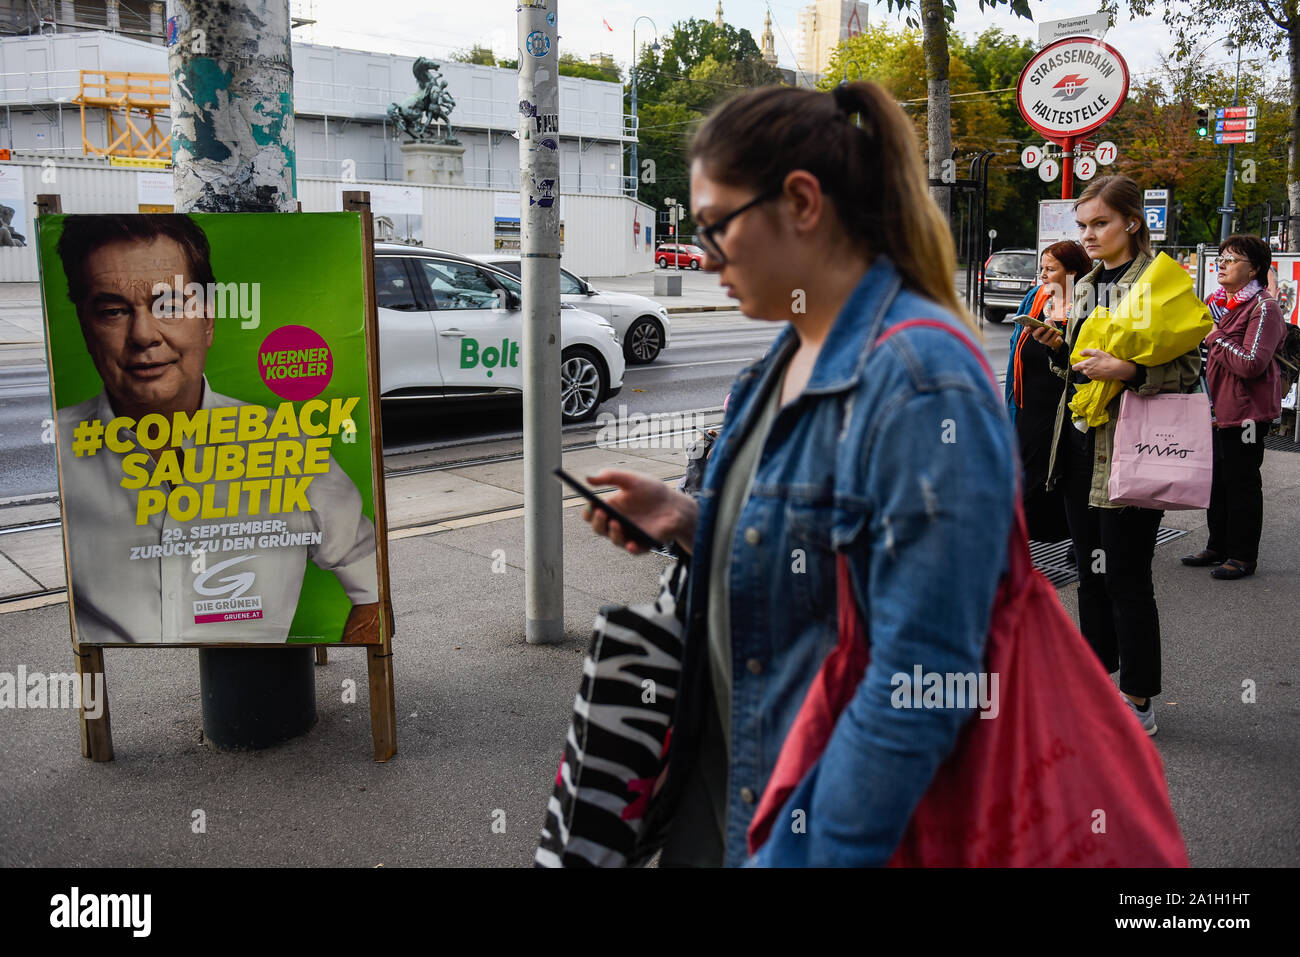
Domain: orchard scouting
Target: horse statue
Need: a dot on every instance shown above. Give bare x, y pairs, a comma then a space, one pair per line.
420, 114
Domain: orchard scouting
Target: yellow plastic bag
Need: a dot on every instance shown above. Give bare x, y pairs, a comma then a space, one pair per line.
1159, 319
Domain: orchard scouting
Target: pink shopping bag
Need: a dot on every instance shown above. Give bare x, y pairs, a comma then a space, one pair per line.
1164, 452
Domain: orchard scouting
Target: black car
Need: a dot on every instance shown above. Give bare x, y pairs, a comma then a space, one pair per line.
1007, 276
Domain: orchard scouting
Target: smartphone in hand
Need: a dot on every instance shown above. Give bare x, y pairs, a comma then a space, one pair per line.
631, 530
1029, 322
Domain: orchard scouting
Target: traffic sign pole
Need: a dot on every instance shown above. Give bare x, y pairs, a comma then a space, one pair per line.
1067, 167
1225, 229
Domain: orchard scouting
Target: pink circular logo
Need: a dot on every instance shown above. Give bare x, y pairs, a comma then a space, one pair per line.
295, 363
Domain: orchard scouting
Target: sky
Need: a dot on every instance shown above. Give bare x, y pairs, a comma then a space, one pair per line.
439, 27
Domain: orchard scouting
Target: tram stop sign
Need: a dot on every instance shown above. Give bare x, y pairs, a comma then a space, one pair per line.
1072, 87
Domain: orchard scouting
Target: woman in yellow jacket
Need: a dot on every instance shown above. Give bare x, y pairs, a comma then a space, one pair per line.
1114, 544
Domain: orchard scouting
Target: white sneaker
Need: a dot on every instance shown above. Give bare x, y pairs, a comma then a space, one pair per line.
1147, 717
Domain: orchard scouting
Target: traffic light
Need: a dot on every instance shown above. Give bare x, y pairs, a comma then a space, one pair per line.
1203, 122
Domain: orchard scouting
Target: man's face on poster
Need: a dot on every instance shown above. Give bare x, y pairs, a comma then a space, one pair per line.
151, 360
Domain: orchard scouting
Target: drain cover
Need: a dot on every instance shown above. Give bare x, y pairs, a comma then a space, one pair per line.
1049, 557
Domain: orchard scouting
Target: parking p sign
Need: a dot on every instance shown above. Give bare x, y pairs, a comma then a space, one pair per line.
1156, 204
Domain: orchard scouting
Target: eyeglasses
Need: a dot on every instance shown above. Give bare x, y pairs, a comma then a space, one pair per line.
709, 235
1226, 261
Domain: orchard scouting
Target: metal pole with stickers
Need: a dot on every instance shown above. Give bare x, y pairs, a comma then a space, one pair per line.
539, 247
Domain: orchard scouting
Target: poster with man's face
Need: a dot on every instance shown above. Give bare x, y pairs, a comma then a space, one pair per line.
213, 395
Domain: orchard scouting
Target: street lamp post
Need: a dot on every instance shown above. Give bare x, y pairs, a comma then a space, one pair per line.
1225, 228
636, 170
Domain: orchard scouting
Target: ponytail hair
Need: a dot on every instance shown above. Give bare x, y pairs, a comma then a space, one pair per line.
872, 172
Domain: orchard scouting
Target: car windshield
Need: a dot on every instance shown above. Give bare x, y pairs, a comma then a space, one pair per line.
569, 284
1014, 265
509, 282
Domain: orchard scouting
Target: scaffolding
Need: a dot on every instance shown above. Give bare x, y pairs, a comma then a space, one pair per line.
131, 103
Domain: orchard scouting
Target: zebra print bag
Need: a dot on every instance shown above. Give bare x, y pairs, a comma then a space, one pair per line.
618, 736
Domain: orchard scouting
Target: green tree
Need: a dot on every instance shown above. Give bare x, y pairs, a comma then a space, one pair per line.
1159, 147
896, 61
476, 54
689, 44
571, 65
934, 18
1271, 25
697, 66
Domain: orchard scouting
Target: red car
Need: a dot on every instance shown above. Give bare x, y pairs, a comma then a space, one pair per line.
674, 254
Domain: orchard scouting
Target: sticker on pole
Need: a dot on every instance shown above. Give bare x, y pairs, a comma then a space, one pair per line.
538, 43
1048, 170
1030, 157
1072, 87
1106, 152
1086, 168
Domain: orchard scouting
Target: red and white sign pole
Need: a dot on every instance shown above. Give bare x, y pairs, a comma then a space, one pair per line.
1068, 89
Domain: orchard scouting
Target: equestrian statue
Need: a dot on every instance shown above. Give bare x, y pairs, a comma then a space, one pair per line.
420, 115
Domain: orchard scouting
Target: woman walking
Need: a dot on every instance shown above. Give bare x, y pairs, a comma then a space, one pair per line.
1246, 391
1115, 545
891, 449
1033, 390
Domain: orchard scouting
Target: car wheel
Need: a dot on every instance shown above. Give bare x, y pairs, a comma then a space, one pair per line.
583, 383
663, 263
644, 341
695, 264
993, 315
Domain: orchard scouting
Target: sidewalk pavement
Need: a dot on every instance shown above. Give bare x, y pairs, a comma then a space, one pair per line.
20, 314
700, 290
482, 715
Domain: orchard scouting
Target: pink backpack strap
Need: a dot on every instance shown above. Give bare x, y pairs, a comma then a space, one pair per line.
936, 324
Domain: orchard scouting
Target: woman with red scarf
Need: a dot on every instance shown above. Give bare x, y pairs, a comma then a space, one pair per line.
1033, 391
1246, 391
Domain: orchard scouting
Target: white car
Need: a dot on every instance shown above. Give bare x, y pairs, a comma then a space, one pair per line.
641, 323
450, 327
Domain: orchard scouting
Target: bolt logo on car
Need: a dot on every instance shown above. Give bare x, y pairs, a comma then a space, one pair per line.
491, 357
1070, 87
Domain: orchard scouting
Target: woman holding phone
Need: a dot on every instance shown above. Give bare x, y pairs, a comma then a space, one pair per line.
1114, 544
853, 435
1033, 390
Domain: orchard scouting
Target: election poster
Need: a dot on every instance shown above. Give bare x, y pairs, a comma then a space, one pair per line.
215, 405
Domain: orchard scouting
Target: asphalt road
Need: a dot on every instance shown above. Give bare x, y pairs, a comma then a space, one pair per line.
26, 462
694, 372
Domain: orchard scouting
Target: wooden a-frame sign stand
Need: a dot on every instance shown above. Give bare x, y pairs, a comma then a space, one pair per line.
96, 733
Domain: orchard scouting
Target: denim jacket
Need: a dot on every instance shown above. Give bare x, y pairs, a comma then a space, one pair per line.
904, 459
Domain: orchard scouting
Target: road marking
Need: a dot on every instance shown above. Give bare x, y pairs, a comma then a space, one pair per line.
683, 365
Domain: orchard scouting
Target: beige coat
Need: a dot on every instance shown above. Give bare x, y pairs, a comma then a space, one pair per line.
1180, 375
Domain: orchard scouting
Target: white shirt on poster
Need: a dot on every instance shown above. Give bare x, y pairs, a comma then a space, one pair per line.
121, 599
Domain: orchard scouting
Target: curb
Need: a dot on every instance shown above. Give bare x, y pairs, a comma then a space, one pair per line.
674, 310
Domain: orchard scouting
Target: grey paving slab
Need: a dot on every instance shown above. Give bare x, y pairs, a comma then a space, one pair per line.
432, 496
14, 581
38, 553
21, 514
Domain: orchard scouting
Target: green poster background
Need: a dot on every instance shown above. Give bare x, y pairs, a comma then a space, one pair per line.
310, 267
